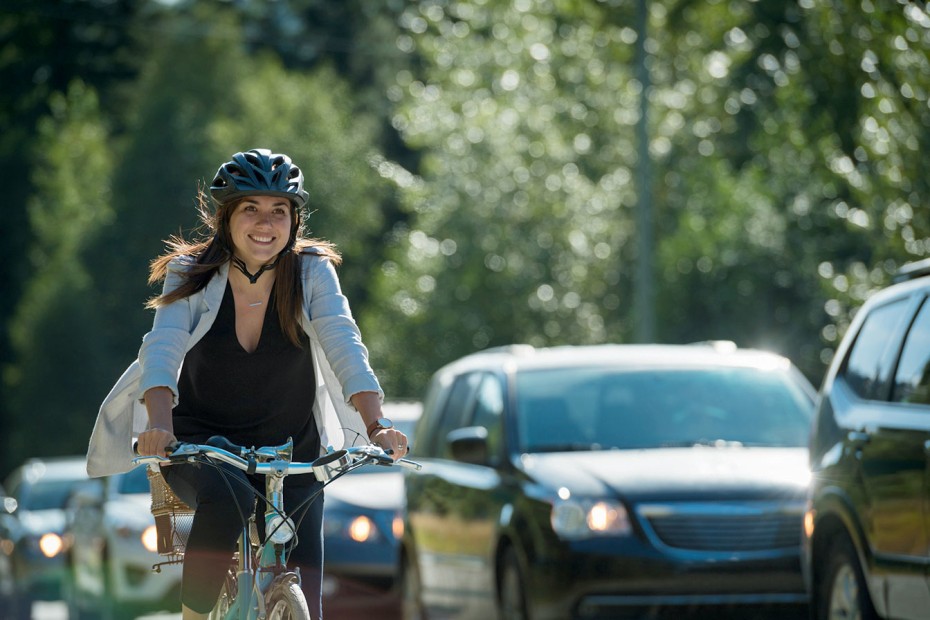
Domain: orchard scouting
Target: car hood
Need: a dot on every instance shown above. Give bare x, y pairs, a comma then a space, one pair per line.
133, 509
674, 473
381, 491
42, 521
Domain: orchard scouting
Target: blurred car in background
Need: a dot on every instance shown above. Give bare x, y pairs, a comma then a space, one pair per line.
867, 529
608, 482
362, 528
7, 582
40, 490
112, 548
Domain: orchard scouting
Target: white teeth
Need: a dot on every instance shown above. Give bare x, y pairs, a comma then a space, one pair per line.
262, 239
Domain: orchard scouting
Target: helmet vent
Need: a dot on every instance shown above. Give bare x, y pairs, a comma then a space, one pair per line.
259, 172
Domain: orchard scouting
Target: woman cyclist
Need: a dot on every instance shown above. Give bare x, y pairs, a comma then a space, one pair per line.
252, 340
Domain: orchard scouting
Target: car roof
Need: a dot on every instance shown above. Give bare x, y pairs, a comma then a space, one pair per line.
402, 410
901, 287
55, 468
913, 271
634, 356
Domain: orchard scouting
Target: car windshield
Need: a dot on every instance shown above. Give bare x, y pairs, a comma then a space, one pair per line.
47, 494
603, 408
134, 481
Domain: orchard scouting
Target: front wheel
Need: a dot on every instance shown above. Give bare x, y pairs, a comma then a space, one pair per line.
843, 592
512, 590
410, 598
285, 601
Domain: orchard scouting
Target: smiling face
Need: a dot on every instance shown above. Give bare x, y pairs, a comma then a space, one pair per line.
260, 227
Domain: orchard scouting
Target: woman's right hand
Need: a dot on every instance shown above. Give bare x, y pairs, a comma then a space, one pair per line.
152, 442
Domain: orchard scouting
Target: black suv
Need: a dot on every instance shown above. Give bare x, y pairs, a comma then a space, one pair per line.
607, 482
866, 549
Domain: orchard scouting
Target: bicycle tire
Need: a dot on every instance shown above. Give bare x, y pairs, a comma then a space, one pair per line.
285, 600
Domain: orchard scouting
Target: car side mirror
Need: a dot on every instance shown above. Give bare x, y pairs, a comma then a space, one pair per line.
469, 444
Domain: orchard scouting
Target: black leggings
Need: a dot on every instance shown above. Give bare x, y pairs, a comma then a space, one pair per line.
217, 525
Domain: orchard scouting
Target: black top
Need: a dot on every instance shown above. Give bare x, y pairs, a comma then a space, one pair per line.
253, 399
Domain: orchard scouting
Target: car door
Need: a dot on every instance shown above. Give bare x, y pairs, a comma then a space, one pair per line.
888, 440
911, 393
454, 507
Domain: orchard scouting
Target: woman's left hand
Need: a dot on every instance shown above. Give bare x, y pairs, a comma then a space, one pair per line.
392, 441
368, 404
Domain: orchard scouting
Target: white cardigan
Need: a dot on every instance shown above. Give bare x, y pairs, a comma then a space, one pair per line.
340, 363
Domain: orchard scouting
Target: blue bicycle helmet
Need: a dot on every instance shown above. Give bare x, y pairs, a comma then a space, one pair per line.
259, 172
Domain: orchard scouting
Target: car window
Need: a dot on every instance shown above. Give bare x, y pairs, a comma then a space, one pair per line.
488, 412
455, 413
46, 494
602, 408
912, 380
870, 361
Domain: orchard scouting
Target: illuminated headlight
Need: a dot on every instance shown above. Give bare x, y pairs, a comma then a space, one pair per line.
578, 519
149, 539
279, 530
362, 529
50, 545
810, 515
355, 527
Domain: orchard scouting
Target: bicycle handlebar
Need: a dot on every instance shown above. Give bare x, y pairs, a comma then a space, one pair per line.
276, 460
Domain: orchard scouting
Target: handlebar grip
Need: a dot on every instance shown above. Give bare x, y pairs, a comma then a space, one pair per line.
168, 449
218, 441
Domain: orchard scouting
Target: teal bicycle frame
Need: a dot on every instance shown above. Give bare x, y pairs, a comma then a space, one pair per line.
264, 575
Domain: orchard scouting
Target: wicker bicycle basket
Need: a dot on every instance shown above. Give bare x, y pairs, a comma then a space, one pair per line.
173, 518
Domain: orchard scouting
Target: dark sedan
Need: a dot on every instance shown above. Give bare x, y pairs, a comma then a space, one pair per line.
362, 527
600, 482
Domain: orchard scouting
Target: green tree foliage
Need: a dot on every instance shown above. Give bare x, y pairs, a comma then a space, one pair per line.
785, 140
524, 115
57, 332
814, 112
44, 46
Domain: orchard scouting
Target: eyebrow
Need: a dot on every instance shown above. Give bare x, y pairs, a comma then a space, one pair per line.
282, 201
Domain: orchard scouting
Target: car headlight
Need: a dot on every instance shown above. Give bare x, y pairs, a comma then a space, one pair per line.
575, 519
149, 539
362, 529
50, 544
355, 527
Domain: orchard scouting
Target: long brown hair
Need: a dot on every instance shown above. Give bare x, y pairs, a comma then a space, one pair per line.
213, 248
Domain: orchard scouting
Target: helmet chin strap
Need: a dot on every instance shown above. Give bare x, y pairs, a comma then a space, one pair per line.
253, 277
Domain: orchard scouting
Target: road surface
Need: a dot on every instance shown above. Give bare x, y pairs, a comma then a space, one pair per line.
57, 610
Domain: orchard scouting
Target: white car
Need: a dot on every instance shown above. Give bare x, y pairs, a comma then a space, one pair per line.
113, 554
31, 526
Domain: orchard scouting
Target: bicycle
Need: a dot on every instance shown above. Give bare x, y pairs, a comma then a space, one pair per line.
259, 568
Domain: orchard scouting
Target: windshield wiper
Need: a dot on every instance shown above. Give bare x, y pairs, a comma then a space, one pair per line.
568, 447
708, 443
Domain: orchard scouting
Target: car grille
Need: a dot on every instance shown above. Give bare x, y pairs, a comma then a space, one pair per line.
725, 528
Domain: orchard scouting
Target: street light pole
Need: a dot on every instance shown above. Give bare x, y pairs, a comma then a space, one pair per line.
644, 283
